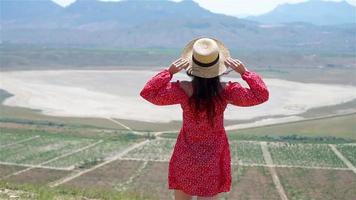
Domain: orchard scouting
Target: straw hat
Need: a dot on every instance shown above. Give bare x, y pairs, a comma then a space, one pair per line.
206, 57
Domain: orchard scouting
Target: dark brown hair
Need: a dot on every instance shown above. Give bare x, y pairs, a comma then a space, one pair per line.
205, 90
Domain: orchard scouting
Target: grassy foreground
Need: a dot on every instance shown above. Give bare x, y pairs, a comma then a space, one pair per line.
42, 192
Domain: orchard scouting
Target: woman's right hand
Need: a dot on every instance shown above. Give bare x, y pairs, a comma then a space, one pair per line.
236, 65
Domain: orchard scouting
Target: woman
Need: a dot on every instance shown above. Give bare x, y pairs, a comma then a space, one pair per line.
200, 164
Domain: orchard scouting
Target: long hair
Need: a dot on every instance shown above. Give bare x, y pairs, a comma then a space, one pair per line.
205, 90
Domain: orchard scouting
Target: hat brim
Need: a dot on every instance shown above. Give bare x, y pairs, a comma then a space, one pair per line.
206, 72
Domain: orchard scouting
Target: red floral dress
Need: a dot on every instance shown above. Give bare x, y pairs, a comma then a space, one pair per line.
201, 164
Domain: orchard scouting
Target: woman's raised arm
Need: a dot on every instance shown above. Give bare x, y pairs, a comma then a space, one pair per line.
238, 95
159, 90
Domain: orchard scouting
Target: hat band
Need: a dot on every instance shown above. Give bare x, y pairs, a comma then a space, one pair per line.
205, 64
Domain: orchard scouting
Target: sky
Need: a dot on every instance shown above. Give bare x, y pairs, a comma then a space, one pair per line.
239, 8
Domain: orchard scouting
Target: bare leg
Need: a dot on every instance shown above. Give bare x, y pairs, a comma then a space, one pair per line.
208, 198
180, 195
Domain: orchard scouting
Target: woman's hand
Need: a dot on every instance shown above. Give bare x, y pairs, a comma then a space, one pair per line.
178, 65
236, 65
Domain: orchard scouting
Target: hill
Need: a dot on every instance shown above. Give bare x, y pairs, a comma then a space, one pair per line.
317, 12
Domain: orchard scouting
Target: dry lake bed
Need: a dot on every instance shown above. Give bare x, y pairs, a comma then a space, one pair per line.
115, 93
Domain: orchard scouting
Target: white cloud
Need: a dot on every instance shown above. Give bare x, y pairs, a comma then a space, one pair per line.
64, 2
231, 7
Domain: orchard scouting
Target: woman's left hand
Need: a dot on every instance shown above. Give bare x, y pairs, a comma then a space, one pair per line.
178, 65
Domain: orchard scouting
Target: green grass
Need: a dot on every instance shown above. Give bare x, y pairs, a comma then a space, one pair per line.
70, 133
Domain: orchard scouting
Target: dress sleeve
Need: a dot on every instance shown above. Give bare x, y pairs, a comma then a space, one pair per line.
159, 90
241, 96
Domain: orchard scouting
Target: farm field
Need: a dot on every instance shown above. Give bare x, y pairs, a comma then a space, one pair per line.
92, 155
300, 183
39, 150
38, 176
246, 152
9, 169
252, 183
310, 155
349, 151
160, 149
137, 165
9, 138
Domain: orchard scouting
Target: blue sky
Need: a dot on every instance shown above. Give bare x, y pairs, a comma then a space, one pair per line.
232, 7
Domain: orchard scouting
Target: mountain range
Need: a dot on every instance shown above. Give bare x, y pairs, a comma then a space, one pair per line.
314, 11
158, 24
